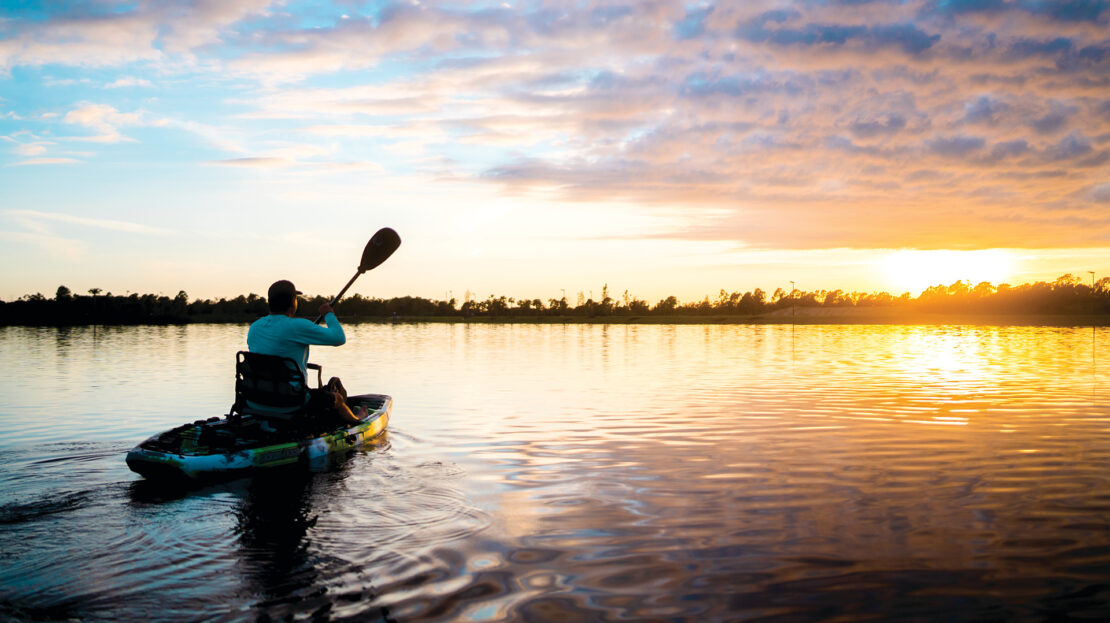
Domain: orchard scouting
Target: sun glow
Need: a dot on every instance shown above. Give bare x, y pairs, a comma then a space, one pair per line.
914, 271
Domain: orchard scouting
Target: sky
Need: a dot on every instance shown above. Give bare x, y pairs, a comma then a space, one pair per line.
536, 149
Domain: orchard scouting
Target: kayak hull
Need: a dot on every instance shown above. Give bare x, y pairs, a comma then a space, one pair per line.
218, 448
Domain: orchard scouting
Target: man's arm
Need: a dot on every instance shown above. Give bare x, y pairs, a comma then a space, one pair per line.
331, 335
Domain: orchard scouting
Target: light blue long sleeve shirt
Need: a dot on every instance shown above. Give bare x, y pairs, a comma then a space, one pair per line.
278, 334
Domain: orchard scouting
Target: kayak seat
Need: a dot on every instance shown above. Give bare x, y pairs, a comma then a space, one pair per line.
270, 382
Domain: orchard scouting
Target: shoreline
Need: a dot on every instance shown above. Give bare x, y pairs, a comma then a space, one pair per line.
909, 319
800, 316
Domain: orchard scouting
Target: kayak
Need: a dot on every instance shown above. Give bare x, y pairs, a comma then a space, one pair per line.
238, 444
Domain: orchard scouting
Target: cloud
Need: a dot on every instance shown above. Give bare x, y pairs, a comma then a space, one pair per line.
191, 25
104, 119
1058, 10
401, 98
32, 149
100, 117
42, 161
111, 34
1049, 117
253, 162
770, 28
224, 137
36, 152
55, 246
1067, 10
891, 124
363, 42
36, 220
831, 114
693, 25
985, 110
86, 39
969, 6
911, 39
1009, 149
955, 146
1068, 53
128, 81
1070, 147
1026, 48
1050, 122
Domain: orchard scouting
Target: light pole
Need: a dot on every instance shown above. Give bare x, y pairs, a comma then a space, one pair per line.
792, 302
1092, 279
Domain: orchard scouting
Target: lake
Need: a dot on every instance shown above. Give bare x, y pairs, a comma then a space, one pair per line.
578, 473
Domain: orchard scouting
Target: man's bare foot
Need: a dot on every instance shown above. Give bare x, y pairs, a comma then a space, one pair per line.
345, 411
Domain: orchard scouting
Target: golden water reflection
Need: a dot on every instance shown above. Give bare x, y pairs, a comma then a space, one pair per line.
725, 472
581, 472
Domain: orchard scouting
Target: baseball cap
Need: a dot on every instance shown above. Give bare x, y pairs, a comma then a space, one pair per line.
283, 288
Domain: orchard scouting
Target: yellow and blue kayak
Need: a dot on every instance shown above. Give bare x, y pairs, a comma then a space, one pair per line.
237, 444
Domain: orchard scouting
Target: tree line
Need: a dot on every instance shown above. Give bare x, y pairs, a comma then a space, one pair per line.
1066, 295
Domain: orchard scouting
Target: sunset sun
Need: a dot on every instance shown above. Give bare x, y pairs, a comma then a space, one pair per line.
914, 271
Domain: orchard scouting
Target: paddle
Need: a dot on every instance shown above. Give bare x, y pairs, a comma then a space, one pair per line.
378, 250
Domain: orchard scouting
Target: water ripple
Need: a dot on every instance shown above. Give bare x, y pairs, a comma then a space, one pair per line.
583, 473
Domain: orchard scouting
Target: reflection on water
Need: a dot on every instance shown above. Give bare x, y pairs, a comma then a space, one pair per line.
579, 473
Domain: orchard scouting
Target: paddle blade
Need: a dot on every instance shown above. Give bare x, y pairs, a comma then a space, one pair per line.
378, 250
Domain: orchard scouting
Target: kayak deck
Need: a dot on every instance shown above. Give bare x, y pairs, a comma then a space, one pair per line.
239, 443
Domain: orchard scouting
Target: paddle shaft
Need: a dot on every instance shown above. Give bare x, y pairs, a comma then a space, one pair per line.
337, 296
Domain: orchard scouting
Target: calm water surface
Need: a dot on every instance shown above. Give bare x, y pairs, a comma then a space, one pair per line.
581, 472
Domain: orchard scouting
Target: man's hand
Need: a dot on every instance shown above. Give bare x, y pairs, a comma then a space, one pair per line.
325, 309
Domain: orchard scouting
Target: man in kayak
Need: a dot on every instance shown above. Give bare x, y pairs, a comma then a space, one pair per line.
284, 335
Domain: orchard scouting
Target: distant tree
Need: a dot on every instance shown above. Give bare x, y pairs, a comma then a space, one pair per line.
837, 298
95, 291
605, 308
588, 308
723, 303
666, 306
984, 289
63, 294
734, 300
703, 307
808, 299
748, 304
1067, 280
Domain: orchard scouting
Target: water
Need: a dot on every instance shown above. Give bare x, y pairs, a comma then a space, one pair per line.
579, 472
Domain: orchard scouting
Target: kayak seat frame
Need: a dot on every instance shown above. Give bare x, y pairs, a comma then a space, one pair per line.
270, 381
